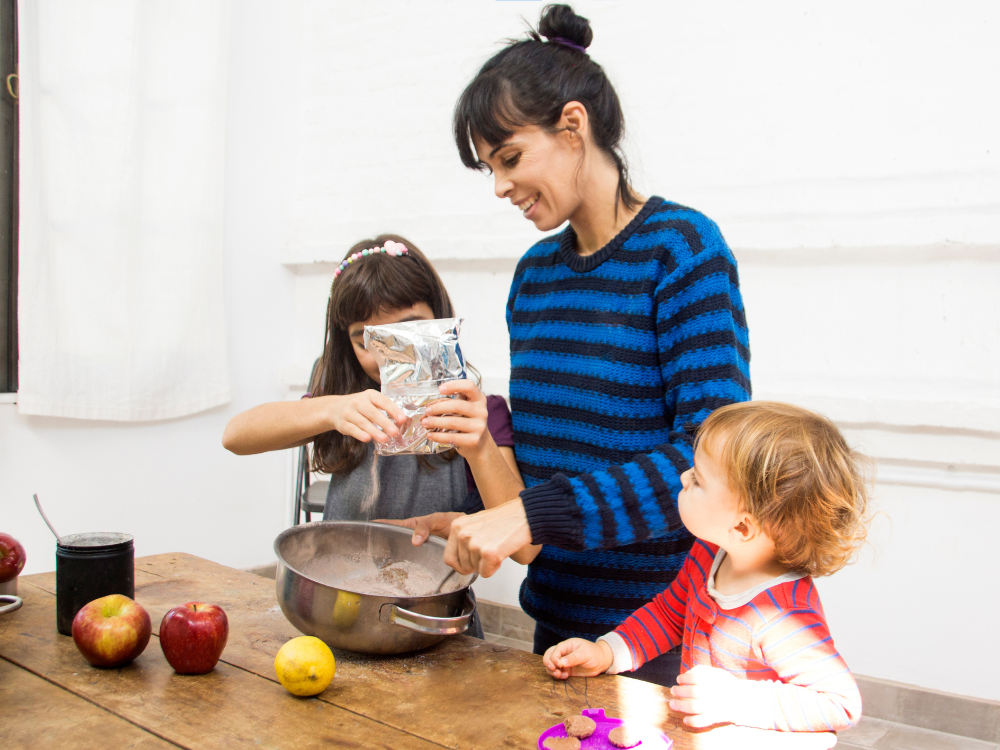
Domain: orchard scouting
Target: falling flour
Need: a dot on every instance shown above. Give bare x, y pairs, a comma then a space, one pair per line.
368, 504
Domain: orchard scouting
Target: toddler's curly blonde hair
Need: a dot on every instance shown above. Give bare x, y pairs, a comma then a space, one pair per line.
797, 477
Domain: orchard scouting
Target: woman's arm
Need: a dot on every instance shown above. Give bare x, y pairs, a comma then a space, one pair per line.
288, 424
493, 467
529, 552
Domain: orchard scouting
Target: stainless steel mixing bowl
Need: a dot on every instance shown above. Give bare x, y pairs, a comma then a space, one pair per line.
314, 560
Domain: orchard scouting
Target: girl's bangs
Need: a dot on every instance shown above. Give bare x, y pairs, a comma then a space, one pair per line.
376, 284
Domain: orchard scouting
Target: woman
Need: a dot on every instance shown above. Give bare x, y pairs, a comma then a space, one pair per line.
626, 331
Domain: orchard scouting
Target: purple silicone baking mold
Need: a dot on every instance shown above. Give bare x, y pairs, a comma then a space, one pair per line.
652, 739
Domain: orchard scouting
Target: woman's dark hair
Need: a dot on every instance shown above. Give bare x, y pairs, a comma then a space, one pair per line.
377, 283
529, 82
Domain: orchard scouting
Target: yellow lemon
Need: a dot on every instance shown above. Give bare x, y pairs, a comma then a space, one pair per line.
305, 665
346, 609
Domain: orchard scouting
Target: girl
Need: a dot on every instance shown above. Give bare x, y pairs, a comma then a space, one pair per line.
775, 497
626, 330
345, 414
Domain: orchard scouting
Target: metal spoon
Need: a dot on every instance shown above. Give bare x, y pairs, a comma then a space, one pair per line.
46, 518
445, 580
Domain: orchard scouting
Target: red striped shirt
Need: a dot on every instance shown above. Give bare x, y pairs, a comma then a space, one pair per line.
778, 642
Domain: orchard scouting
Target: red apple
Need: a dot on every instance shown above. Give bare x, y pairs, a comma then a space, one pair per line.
193, 635
12, 558
111, 631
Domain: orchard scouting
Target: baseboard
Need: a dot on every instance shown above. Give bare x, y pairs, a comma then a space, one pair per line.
930, 709
505, 621
264, 571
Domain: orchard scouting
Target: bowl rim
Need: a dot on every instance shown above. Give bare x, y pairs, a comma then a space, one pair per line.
292, 530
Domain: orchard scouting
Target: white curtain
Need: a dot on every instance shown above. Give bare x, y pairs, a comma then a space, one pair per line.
120, 296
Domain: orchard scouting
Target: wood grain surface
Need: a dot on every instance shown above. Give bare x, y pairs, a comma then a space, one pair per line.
461, 693
37, 714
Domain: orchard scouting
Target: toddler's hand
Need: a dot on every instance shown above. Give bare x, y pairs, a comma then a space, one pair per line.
438, 524
710, 695
577, 658
466, 418
361, 415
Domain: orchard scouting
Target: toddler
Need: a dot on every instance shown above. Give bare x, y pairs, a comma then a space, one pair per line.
775, 497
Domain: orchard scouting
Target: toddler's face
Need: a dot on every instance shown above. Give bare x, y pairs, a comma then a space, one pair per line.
420, 311
708, 507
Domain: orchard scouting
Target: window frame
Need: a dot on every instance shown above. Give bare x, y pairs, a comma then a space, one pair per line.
9, 127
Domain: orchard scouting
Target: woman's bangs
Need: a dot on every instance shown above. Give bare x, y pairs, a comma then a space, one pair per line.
485, 112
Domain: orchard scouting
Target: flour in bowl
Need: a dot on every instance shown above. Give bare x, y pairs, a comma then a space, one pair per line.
359, 572
397, 579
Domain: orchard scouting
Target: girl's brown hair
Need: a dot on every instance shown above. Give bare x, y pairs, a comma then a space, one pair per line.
797, 477
376, 283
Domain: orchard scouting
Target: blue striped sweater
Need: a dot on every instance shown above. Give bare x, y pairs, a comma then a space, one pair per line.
616, 358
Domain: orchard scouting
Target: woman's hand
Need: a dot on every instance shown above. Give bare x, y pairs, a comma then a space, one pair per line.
710, 695
578, 658
360, 415
459, 422
481, 541
437, 524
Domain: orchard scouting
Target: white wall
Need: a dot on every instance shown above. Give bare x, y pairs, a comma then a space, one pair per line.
171, 484
848, 151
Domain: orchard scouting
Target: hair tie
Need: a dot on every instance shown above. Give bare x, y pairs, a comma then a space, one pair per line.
567, 43
389, 248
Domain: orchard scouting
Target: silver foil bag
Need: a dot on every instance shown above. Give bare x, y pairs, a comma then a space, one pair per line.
414, 358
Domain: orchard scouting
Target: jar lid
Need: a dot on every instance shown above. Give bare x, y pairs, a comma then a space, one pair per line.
95, 540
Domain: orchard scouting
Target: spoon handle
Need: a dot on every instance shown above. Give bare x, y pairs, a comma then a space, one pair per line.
45, 517
445, 580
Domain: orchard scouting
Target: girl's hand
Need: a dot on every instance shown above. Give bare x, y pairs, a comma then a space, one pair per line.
359, 415
438, 524
465, 418
578, 658
710, 695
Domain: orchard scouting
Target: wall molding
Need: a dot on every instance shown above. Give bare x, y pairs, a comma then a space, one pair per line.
942, 252
937, 477
309, 259
922, 429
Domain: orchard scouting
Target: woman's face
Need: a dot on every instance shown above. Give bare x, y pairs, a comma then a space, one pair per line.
537, 171
420, 311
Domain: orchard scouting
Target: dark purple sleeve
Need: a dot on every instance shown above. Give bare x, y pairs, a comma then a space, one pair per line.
498, 421
501, 427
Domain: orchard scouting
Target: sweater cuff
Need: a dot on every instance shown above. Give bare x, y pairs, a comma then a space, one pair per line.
553, 515
621, 652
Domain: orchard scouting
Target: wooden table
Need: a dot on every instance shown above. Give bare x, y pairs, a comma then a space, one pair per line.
463, 693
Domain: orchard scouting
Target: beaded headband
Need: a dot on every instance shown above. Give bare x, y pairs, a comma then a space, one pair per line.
390, 248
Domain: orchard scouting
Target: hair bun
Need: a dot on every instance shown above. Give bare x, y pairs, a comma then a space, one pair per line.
561, 21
